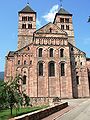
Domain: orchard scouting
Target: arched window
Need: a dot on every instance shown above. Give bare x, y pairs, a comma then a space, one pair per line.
62, 27
28, 48
24, 79
72, 49
51, 52
51, 68
62, 69
81, 63
24, 62
23, 26
50, 30
75, 63
67, 27
62, 20
18, 62
29, 26
40, 72
77, 80
67, 20
61, 52
24, 18
30, 62
40, 52
30, 18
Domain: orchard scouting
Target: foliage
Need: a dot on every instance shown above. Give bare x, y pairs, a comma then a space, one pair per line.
27, 100
11, 96
56, 99
3, 95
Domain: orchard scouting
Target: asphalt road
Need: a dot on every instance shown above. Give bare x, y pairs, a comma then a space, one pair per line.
80, 112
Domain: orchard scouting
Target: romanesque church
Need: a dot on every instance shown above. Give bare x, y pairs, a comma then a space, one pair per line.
48, 60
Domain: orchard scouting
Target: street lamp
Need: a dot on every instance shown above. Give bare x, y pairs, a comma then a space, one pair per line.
89, 19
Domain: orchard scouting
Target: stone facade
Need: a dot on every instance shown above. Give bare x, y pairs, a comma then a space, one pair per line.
64, 21
26, 27
48, 60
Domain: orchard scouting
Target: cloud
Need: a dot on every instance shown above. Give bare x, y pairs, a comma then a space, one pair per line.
38, 23
49, 17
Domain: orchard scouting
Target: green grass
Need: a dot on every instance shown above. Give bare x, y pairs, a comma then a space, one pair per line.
5, 114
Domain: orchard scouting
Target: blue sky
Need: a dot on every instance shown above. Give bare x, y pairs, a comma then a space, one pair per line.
45, 10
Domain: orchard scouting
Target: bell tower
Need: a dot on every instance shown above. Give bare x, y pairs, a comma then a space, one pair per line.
63, 19
26, 26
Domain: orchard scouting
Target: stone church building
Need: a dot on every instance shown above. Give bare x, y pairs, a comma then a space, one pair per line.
48, 59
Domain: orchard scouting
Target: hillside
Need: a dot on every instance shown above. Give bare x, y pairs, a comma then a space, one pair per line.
1, 75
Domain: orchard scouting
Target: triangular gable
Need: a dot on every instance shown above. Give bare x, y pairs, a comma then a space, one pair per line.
50, 28
25, 49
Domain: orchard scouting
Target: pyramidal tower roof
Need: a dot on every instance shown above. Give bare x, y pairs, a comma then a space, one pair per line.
27, 9
62, 11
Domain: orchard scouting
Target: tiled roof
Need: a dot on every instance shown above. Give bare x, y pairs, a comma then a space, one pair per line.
88, 59
63, 11
27, 9
11, 53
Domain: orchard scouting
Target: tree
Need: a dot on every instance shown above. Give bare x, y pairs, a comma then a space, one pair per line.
12, 94
27, 100
3, 95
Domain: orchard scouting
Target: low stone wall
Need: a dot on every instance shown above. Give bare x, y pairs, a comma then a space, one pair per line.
37, 115
39, 101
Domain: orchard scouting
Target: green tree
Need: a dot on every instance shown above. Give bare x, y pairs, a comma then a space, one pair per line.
3, 95
27, 100
12, 96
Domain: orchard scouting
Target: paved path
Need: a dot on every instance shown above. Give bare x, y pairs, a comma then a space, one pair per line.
79, 109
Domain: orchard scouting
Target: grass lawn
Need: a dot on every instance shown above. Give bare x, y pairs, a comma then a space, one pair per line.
5, 114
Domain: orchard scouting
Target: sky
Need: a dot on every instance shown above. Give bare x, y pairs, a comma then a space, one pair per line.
46, 10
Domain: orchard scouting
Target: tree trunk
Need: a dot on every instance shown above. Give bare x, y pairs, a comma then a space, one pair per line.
11, 110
